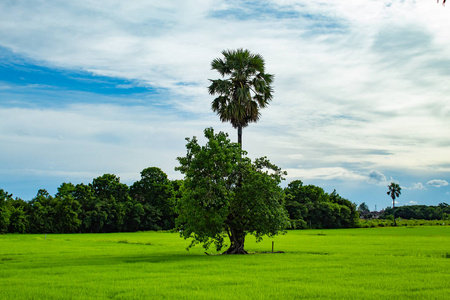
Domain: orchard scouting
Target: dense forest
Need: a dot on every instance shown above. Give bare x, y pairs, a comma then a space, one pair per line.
310, 207
418, 212
107, 205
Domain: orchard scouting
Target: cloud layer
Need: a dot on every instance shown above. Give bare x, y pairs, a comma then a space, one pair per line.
361, 89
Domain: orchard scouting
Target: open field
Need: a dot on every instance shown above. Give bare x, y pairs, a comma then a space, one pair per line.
374, 263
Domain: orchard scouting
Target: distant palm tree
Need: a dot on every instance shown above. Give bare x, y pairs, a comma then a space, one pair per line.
244, 89
394, 191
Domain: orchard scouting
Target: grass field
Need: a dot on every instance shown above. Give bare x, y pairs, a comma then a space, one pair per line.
372, 263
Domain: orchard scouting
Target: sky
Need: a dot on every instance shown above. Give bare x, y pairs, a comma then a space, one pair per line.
361, 91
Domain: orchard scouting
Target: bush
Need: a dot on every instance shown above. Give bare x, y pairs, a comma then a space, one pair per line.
298, 224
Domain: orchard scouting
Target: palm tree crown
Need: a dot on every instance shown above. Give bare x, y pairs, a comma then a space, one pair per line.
394, 190
244, 89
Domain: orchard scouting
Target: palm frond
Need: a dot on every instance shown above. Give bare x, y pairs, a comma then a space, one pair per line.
245, 87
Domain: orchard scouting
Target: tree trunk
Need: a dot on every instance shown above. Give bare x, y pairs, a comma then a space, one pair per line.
237, 236
240, 136
393, 208
237, 239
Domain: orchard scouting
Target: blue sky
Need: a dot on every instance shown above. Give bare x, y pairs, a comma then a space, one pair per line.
361, 91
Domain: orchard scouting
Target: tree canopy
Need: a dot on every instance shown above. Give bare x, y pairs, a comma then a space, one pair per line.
310, 207
226, 194
244, 89
364, 211
422, 212
156, 195
105, 205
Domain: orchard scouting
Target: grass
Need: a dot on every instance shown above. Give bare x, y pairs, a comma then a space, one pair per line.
373, 263
371, 223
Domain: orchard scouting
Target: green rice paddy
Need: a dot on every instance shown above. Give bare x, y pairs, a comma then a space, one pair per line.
372, 263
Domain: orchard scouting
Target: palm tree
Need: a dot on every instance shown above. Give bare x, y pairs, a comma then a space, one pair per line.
244, 89
394, 191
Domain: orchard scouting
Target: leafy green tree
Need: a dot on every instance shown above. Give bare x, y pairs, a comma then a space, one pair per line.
109, 185
214, 204
57, 214
5, 212
156, 195
423, 212
13, 214
106, 206
364, 211
90, 222
134, 214
177, 189
310, 206
66, 210
110, 198
348, 215
42, 212
18, 221
394, 192
295, 205
244, 89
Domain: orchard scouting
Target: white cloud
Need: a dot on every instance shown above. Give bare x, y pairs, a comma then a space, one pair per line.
415, 186
412, 202
437, 182
359, 86
376, 177
324, 174
418, 186
86, 141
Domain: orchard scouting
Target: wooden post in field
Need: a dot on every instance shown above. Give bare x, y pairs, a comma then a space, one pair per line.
272, 245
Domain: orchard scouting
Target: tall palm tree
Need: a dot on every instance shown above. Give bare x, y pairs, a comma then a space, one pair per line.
244, 89
394, 191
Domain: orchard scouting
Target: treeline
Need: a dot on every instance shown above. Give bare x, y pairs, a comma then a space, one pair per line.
107, 205
310, 207
418, 212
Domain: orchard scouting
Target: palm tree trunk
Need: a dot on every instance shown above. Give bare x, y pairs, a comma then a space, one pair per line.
240, 136
393, 208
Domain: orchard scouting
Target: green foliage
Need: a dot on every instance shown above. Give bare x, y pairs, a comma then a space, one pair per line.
57, 214
364, 211
91, 217
424, 212
310, 207
389, 222
394, 190
110, 197
66, 210
155, 194
5, 210
18, 221
244, 89
105, 205
225, 193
